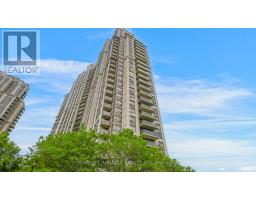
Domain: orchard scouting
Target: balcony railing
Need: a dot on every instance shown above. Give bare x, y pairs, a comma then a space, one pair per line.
147, 116
140, 62
139, 44
142, 67
144, 88
112, 71
151, 143
141, 56
143, 72
107, 106
103, 130
112, 62
112, 66
110, 87
142, 59
147, 124
108, 99
146, 108
146, 83
143, 77
106, 114
146, 101
105, 123
111, 81
151, 134
140, 49
109, 93
145, 94
111, 76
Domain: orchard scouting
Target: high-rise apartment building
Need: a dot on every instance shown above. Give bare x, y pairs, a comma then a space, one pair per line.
12, 94
115, 93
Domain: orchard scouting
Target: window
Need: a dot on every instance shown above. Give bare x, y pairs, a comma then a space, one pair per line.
132, 106
132, 121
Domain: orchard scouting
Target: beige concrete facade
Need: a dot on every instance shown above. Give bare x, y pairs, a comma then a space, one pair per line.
12, 94
117, 92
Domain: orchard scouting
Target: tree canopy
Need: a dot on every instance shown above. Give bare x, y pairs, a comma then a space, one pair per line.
88, 151
10, 159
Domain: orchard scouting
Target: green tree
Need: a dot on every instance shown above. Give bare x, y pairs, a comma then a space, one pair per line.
68, 152
88, 151
128, 152
10, 159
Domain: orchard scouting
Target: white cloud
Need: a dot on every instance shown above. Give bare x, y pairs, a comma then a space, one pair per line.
28, 128
214, 154
213, 147
214, 124
56, 76
248, 169
166, 60
196, 96
34, 101
62, 66
199, 119
222, 169
206, 105
45, 111
100, 35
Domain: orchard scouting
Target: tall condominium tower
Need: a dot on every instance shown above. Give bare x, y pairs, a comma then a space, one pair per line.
115, 93
12, 94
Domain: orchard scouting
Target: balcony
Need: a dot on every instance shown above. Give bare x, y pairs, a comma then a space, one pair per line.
145, 94
105, 123
140, 49
147, 116
112, 62
139, 44
141, 56
142, 59
140, 62
151, 134
110, 81
143, 77
114, 49
111, 76
103, 130
143, 72
144, 88
146, 83
147, 125
146, 101
115, 44
151, 143
142, 67
112, 66
109, 93
108, 99
107, 107
146, 108
110, 87
106, 114
112, 71
160, 145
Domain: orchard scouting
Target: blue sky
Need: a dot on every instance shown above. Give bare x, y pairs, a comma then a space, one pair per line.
205, 81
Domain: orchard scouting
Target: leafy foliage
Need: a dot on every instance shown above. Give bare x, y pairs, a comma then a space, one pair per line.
10, 159
68, 152
88, 151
